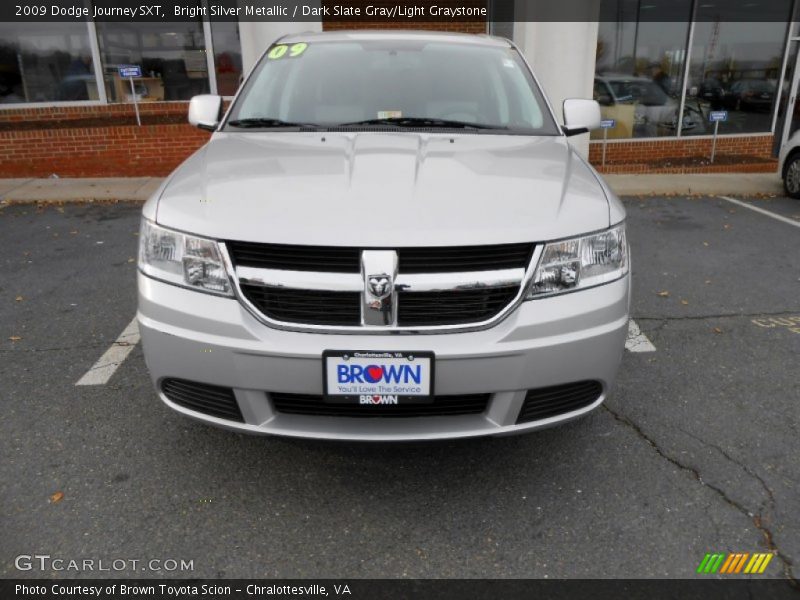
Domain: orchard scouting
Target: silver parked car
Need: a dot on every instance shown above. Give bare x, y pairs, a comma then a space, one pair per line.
388, 237
655, 112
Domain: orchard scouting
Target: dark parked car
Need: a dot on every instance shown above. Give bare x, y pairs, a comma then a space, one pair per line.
712, 91
750, 94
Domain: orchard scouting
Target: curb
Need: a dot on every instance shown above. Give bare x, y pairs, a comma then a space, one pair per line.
705, 184
139, 189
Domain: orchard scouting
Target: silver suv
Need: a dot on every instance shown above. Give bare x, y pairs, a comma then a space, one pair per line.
387, 237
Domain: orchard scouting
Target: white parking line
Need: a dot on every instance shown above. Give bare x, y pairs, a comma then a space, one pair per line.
758, 209
104, 368
637, 341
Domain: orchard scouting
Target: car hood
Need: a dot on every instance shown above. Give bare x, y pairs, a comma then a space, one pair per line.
383, 189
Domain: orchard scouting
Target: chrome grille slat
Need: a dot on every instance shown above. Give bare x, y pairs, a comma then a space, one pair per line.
306, 306
301, 280
301, 258
464, 258
452, 307
350, 282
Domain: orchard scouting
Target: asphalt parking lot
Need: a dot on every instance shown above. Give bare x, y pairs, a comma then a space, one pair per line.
697, 450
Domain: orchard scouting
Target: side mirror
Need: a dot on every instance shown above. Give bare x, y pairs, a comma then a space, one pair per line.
205, 111
580, 116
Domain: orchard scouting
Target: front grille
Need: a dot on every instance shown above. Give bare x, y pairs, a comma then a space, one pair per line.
464, 258
327, 259
417, 309
202, 397
557, 400
308, 404
335, 259
306, 306
432, 287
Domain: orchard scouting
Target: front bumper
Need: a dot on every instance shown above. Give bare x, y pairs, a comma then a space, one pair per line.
545, 342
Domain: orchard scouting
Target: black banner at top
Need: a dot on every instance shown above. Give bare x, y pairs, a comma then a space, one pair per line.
394, 12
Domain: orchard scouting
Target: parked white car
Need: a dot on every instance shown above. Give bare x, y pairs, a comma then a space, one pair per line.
655, 113
789, 166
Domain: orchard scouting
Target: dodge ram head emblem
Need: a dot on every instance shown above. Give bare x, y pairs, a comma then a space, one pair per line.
379, 286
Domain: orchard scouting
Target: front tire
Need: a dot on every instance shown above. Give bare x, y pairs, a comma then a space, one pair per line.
791, 177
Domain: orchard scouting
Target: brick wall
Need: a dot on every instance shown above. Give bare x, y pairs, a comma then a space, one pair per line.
104, 141
739, 154
96, 141
109, 112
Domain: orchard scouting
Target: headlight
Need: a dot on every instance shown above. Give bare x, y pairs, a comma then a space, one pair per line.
581, 263
182, 259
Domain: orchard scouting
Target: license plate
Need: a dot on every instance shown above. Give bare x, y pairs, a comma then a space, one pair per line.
377, 378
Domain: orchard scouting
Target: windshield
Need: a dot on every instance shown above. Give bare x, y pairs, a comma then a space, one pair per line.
380, 83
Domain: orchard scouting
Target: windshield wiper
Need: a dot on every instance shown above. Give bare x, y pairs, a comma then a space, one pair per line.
422, 122
265, 123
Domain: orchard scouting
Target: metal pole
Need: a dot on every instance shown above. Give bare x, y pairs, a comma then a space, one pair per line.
714, 143
636, 36
210, 59
687, 59
97, 63
782, 74
135, 103
605, 141
783, 135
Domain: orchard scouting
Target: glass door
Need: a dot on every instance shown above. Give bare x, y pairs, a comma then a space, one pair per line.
788, 117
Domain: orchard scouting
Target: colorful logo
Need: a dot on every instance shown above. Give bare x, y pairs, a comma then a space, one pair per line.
379, 373
377, 399
735, 563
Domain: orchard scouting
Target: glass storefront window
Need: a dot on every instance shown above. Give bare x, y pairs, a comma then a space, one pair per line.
641, 50
788, 121
46, 62
172, 57
227, 56
735, 66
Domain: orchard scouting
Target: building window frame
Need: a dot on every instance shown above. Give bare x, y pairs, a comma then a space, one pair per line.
97, 66
212, 70
787, 39
94, 44
792, 27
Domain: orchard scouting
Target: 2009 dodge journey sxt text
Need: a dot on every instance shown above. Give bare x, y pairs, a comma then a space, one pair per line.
388, 237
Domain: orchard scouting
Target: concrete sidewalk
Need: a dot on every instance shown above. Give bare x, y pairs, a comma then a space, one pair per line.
138, 189
704, 184
101, 189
